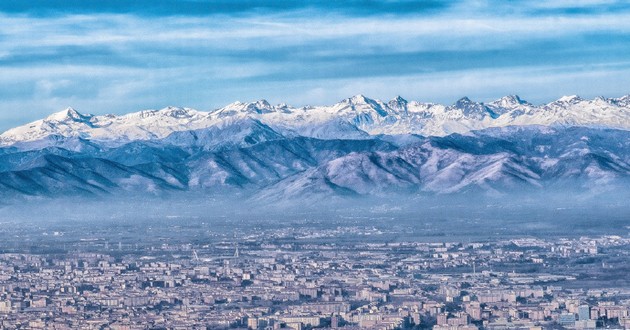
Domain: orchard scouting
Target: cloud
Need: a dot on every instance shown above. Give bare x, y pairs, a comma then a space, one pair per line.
104, 58
225, 7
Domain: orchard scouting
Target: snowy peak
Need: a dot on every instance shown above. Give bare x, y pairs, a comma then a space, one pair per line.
464, 101
508, 102
398, 104
360, 103
170, 112
176, 112
68, 114
260, 107
473, 109
466, 104
623, 101
358, 99
570, 99
243, 109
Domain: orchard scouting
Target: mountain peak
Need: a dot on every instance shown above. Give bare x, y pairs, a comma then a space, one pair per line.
508, 102
398, 103
358, 99
177, 112
259, 107
474, 109
463, 101
623, 101
570, 99
262, 103
466, 103
68, 114
362, 103
515, 99
399, 99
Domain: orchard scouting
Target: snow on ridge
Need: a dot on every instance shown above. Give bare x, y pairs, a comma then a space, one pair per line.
394, 117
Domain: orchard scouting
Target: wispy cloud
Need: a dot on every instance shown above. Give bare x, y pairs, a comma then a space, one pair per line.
225, 7
117, 58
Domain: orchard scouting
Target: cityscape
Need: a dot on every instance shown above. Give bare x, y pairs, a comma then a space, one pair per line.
327, 274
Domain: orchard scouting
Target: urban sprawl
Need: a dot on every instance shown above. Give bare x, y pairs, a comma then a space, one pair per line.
287, 279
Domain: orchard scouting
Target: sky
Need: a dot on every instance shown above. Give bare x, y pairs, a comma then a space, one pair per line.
124, 56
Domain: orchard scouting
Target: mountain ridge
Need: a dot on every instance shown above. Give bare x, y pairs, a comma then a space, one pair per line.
355, 148
355, 115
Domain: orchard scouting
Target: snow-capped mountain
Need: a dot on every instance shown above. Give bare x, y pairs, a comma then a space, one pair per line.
356, 147
355, 117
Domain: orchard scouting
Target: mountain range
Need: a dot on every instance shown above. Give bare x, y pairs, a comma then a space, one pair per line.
357, 147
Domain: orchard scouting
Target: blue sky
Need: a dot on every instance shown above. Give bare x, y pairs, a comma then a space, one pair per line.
122, 56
